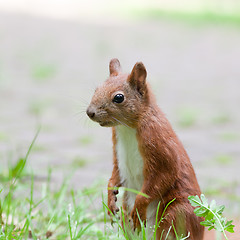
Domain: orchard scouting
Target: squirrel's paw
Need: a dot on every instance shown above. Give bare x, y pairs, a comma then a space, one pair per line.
112, 199
113, 208
134, 219
112, 212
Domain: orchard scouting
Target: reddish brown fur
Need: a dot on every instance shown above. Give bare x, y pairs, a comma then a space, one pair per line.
167, 171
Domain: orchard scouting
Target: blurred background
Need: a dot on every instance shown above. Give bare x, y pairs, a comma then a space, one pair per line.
54, 53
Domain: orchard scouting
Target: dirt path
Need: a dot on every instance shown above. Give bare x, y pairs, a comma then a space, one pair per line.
49, 69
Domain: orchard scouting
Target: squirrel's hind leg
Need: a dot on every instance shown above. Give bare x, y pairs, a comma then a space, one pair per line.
181, 217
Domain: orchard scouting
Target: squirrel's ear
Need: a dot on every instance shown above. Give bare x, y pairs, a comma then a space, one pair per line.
114, 67
137, 78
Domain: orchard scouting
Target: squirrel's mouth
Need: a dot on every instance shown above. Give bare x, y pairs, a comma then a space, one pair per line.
106, 124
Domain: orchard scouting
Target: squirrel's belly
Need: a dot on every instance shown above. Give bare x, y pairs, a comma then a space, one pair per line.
130, 162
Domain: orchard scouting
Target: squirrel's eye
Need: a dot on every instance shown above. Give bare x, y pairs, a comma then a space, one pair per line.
118, 98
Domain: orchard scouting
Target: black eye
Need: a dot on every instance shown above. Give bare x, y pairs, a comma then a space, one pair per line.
118, 98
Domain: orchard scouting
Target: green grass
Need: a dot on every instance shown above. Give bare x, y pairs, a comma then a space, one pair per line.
221, 118
3, 136
224, 159
79, 162
85, 140
47, 212
61, 213
43, 72
30, 210
197, 17
39, 148
229, 136
187, 116
204, 13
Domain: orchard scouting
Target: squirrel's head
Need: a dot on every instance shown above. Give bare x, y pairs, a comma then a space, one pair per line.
121, 98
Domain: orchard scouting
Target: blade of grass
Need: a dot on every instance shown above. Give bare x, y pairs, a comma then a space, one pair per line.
168, 232
165, 211
69, 226
130, 190
119, 225
156, 222
143, 230
26, 157
83, 230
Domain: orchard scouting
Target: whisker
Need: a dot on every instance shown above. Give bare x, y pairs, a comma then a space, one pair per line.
120, 122
127, 119
80, 112
84, 101
81, 106
79, 119
87, 123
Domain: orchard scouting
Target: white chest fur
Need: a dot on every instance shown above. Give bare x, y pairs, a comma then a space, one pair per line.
130, 162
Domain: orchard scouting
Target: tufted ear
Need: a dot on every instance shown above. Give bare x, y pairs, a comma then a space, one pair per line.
114, 67
137, 78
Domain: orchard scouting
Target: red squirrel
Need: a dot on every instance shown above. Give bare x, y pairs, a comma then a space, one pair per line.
147, 154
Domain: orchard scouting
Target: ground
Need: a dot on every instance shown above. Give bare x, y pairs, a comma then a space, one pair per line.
49, 69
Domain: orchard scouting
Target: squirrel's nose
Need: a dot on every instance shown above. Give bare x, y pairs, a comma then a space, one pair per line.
90, 112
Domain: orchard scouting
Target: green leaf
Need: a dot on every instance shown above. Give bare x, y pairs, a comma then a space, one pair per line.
204, 200
229, 226
201, 211
212, 227
229, 223
213, 205
209, 216
206, 223
195, 201
220, 209
15, 170
212, 214
218, 226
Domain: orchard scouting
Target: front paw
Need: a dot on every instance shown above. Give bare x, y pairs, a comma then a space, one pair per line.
112, 199
134, 218
112, 208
